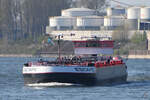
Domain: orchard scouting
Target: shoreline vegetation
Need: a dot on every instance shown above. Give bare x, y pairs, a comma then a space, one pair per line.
28, 48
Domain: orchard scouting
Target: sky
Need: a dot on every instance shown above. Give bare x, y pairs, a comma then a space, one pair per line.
134, 2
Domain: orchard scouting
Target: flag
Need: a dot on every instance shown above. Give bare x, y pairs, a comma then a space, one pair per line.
49, 40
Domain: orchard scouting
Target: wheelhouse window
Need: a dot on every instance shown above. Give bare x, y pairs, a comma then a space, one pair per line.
100, 44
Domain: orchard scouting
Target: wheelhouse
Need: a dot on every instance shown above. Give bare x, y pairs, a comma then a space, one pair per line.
93, 47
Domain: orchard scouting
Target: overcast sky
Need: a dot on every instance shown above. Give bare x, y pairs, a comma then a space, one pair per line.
134, 2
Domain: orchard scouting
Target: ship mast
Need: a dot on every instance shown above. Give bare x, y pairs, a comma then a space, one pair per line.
59, 36
58, 42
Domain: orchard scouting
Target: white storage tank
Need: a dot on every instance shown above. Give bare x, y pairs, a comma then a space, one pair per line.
112, 22
133, 13
132, 24
61, 23
74, 12
145, 18
90, 22
115, 11
145, 13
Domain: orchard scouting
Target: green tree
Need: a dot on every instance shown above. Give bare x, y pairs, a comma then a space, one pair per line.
138, 37
121, 34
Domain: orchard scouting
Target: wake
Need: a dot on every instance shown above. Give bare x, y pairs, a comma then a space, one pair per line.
52, 84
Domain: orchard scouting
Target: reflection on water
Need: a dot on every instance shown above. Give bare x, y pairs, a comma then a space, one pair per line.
12, 86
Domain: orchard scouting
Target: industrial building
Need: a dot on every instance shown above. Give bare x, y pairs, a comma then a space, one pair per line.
86, 22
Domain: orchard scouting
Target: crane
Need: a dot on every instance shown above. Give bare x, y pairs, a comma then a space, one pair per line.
122, 3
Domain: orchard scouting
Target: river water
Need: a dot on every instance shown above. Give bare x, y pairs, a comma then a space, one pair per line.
12, 85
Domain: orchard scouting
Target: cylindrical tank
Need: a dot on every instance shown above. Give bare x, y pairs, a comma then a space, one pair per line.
133, 13
145, 13
132, 24
115, 11
62, 22
90, 22
74, 12
133, 16
111, 22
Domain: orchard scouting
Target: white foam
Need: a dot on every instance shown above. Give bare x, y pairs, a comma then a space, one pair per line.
51, 84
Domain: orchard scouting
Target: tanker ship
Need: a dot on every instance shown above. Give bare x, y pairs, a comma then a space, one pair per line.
87, 67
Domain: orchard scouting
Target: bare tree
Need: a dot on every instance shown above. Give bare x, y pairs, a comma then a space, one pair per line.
9, 10
121, 33
22, 18
92, 4
7, 22
36, 14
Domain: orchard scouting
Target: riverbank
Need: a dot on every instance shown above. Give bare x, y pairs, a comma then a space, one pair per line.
139, 56
16, 55
30, 55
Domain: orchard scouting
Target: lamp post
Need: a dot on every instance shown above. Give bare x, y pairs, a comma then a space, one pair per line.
59, 36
